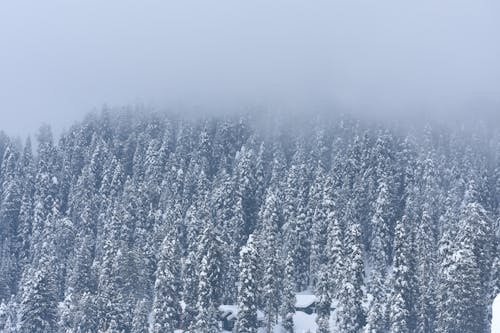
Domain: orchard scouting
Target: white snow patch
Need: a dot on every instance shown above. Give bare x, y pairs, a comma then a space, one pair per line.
233, 309
304, 322
495, 322
304, 300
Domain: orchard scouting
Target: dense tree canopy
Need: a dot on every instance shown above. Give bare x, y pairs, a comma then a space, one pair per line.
133, 222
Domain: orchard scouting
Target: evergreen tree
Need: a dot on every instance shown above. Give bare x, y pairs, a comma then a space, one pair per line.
167, 289
462, 311
376, 316
248, 288
495, 269
350, 316
8, 316
288, 302
46, 188
462, 301
376, 319
38, 308
425, 270
379, 244
78, 314
9, 214
335, 252
323, 302
209, 287
300, 246
26, 208
482, 237
140, 322
323, 207
400, 297
247, 186
269, 254
189, 290
229, 211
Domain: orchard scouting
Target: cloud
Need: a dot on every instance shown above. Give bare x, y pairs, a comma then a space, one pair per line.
63, 58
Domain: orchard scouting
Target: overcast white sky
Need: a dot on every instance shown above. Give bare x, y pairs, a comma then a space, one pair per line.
61, 59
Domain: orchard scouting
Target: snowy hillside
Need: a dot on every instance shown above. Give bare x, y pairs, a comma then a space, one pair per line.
131, 222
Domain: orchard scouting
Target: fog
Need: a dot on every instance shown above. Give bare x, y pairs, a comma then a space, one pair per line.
61, 59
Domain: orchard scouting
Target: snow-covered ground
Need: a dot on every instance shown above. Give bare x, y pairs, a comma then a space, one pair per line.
302, 321
495, 322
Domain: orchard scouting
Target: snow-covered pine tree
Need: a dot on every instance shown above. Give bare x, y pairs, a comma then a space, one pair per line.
377, 311
320, 188
323, 302
270, 257
38, 307
10, 203
350, 315
462, 303
167, 289
229, 212
303, 218
400, 294
121, 290
246, 187
189, 290
288, 302
335, 251
8, 316
495, 267
140, 322
379, 243
248, 288
26, 209
462, 311
425, 270
210, 278
46, 188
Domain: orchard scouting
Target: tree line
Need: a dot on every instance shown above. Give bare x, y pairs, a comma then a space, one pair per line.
137, 221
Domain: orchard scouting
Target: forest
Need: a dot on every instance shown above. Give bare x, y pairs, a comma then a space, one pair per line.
149, 222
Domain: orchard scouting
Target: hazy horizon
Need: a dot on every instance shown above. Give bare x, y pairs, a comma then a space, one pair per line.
63, 59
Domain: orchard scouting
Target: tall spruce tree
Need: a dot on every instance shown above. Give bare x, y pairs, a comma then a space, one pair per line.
248, 288
167, 288
269, 253
210, 278
190, 284
335, 252
288, 302
400, 295
323, 303
425, 246
140, 322
351, 316
10, 204
462, 303
38, 307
